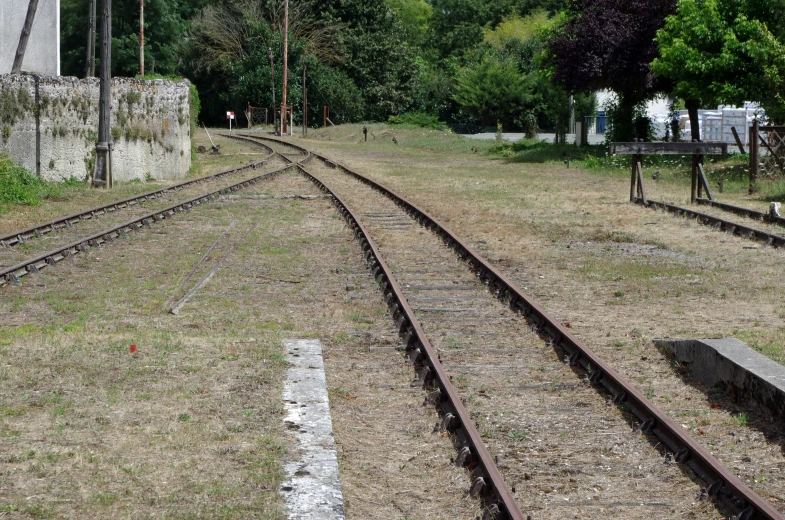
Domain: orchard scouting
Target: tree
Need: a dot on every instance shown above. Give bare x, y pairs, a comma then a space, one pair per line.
166, 23
494, 90
714, 54
228, 53
457, 25
414, 16
609, 44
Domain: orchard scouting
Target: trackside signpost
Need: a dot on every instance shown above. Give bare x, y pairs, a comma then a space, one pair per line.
230, 116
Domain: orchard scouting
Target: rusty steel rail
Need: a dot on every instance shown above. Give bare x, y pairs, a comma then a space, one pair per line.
717, 223
721, 484
33, 265
20, 237
486, 480
744, 212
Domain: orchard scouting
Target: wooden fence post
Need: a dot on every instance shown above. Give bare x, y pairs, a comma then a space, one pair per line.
694, 178
754, 163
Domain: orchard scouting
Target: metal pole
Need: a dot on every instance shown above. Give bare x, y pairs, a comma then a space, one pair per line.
285, 64
102, 175
20, 50
272, 74
141, 37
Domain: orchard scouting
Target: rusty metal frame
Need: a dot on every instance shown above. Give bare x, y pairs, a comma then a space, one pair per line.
721, 484
20, 237
33, 265
720, 224
744, 212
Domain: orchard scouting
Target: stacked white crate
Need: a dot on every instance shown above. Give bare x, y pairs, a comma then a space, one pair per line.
734, 117
712, 128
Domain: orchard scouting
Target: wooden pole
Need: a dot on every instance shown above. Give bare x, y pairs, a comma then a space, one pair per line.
285, 64
20, 50
141, 37
754, 165
633, 177
89, 67
93, 11
272, 74
305, 103
102, 175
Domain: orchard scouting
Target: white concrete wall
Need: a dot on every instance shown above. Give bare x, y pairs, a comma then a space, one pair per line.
43, 48
150, 126
656, 107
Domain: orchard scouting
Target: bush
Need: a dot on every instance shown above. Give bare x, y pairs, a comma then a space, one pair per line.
419, 119
19, 186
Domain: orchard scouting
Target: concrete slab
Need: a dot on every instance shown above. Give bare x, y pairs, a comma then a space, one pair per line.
733, 366
312, 489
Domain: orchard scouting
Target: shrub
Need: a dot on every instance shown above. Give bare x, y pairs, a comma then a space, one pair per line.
420, 119
19, 186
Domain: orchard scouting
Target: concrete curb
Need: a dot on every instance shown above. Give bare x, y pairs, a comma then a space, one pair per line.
734, 367
312, 489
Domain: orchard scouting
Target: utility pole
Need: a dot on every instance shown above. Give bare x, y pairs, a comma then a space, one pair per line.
20, 50
90, 60
305, 102
102, 175
285, 64
141, 37
272, 73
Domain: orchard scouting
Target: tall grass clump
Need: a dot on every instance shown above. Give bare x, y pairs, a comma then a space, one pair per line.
418, 119
19, 186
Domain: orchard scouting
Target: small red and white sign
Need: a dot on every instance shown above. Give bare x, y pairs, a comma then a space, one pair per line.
230, 115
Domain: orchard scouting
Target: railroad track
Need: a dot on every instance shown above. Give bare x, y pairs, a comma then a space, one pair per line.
16, 263
721, 224
68, 221
505, 339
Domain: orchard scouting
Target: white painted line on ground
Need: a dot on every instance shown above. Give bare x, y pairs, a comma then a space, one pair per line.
312, 489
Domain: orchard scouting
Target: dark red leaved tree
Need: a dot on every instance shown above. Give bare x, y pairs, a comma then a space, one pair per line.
609, 44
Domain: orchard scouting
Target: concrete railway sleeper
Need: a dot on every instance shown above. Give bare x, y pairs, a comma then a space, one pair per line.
22, 236
14, 273
720, 483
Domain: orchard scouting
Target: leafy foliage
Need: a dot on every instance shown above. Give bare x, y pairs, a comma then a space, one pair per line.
715, 54
418, 119
609, 44
166, 22
494, 90
19, 186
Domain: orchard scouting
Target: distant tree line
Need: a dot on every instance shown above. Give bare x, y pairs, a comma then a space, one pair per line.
468, 62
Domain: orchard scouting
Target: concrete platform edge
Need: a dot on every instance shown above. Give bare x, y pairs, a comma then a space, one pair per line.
734, 367
312, 488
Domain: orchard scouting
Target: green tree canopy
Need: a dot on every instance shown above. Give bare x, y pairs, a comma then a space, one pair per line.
715, 54
494, 90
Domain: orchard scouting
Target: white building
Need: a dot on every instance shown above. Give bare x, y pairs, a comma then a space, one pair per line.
43, 48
